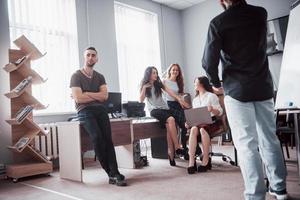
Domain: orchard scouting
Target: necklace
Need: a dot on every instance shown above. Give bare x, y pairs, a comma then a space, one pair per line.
85, 73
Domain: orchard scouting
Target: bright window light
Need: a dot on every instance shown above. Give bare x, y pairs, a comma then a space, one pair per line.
51, 26
138, 47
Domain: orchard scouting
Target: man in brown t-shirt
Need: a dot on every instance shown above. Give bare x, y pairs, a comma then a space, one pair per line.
89, 91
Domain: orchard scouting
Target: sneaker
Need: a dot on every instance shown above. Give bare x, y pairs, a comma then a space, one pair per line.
118, 180
280, 195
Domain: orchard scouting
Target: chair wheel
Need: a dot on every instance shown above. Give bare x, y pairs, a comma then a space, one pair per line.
224, 159
15, 180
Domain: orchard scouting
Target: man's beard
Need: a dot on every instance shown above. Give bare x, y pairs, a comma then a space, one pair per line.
90, 65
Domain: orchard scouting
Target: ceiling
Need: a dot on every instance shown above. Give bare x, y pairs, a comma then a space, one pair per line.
179, 4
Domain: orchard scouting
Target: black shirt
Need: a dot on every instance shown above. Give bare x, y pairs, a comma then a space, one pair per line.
86, 84
238, 37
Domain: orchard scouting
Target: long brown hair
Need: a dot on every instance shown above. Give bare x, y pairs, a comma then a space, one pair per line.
157, 84
179, 78
203, 80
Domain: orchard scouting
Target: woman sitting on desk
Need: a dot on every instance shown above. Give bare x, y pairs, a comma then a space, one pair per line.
151, 89
204, 97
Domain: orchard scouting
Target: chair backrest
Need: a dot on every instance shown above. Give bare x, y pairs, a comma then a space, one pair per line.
225, 126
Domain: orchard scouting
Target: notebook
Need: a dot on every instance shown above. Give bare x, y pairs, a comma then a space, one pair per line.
197, 116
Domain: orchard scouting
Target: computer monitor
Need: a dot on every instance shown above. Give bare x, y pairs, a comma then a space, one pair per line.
113, 103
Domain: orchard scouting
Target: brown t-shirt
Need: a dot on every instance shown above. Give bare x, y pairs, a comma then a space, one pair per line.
86, 84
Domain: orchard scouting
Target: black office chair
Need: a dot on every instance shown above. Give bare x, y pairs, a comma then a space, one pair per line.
285, 131
224, 129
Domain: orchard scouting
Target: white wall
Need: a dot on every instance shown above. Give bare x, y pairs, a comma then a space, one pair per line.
95, 21
195, 24
96, 27
5, 129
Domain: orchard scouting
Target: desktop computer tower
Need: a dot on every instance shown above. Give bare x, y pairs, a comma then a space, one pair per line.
159, 147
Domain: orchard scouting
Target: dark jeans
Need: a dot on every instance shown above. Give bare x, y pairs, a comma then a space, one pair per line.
180, 119
97, 124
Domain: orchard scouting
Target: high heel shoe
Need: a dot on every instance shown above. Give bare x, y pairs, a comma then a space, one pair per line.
192, 169
204, 168
172, 162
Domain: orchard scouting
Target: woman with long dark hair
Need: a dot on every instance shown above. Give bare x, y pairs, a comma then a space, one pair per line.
151, 90
174, 81
204, 97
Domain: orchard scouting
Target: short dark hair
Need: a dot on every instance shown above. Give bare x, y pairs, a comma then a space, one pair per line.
92, 48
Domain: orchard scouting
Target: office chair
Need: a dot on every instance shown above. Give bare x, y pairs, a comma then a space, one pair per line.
285, 128
224, 129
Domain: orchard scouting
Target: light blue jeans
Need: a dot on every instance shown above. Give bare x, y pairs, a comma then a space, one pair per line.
253, 130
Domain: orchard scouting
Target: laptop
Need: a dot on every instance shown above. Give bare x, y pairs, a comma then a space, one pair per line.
197, 116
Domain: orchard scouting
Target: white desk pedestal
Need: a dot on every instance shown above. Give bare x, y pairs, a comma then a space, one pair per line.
69, 151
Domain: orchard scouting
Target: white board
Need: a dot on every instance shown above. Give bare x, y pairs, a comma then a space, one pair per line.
289, 81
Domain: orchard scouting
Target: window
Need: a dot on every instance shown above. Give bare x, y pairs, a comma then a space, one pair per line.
51, 26
138, 47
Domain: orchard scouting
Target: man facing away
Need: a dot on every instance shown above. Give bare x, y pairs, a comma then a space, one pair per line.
238, 37
89, 91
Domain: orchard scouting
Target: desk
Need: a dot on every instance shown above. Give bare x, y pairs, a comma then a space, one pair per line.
146, 128
296, 113
121, 134
72, 141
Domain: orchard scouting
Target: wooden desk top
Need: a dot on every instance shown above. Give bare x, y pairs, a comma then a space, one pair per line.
126, 130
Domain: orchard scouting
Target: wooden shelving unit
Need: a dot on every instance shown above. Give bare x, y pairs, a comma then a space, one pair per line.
27, 160
14, 94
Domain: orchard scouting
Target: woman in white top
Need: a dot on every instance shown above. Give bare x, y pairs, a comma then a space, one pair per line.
204, 97
151, 90
174, 81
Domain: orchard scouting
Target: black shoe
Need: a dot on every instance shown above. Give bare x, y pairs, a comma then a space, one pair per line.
172, 162
180, 152
192, 169
118, 180
204, 168
280, 195
122, 177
